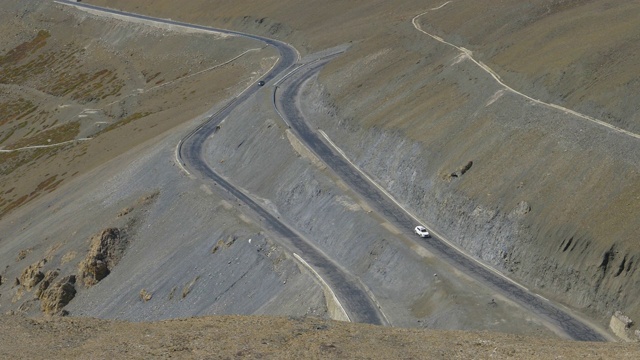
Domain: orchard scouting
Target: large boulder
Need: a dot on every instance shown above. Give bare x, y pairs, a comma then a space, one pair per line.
106, 250
58, 295
32, 275
46, 282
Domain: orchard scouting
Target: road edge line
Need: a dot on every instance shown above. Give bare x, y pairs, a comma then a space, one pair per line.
326, 287
388, 195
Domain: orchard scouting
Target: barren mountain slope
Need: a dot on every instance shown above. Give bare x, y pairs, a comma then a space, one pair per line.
551, 198
116, 229
71, 76
543, 195
580, 54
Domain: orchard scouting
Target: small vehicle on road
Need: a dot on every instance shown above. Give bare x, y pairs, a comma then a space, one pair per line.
261, 83
421, 231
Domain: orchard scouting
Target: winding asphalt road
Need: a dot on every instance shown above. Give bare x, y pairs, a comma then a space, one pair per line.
289, 90
355, 299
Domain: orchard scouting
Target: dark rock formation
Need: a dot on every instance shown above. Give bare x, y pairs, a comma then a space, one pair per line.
462, 170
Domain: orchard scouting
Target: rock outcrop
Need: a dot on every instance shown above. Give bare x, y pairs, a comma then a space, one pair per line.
462, 170
46, 282
106, 250
621, 324
32, 275
58, 295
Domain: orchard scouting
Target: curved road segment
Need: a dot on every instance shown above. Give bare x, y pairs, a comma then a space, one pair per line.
355, 299
395, 214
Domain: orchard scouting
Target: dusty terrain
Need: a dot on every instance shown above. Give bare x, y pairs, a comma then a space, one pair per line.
233, 267
236, 337
546, 197
93, 81
399, 92
551, 199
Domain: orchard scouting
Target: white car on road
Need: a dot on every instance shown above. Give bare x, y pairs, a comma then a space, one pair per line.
421, 231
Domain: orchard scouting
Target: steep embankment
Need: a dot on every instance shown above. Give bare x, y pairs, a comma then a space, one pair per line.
550, 198
547, 197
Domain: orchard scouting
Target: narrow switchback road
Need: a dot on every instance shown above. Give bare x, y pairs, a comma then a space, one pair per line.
353, 298
358, 304
285, 101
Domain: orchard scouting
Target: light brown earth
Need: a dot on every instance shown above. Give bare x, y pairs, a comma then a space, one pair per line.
237, 337
550, 200
64, 78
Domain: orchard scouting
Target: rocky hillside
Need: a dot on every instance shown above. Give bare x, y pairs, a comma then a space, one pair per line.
97, 219
66, 77
80, 94
550, 198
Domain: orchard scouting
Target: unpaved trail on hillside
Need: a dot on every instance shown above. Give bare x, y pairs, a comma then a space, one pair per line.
32, 147
467, 54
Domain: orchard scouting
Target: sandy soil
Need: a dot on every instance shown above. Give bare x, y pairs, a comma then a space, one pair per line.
235, 337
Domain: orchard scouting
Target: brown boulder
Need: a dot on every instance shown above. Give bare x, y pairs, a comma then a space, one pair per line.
92, 271
26, 306
145, 295
46, 282
58, 295
106, 250
32, 275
